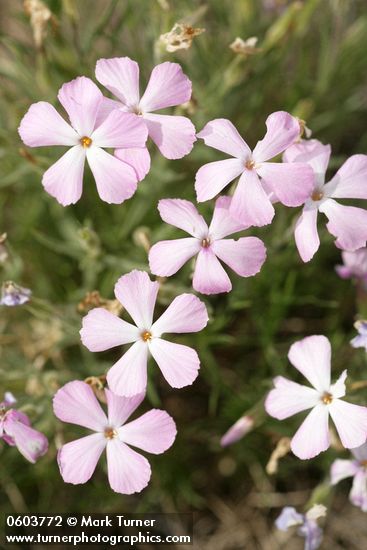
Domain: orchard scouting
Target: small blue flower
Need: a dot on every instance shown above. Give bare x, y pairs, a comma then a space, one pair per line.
14, 295
308, 527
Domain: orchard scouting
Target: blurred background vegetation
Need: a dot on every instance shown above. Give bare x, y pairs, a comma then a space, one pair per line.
309, 60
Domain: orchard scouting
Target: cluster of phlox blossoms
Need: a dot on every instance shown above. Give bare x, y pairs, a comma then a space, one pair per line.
282, 169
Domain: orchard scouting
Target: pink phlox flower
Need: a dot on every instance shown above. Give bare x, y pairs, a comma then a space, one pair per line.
252, 200
357, 469
312, 357
168, 86
354, 265
128, 471
245, 255
348, 224
308, 527
16, 431
236, 432
103, 330
87, 136
360, 341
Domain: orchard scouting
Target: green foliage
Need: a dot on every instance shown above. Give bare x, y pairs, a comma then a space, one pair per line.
311, 63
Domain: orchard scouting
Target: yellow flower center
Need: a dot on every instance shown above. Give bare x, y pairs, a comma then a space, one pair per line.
250, 164
146, 336
86, 142
205, 243
327, 398
363, 463
317, 195
110, 433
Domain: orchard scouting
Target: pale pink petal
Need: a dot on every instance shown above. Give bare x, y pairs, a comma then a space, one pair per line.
128, 471
185, 314
103, 330
306, 235
350, 181
78, 460
31, 443
282, 129
184, 215
64, 179
237, 431
312, 437
312, 151
138, 294
347, 223
339, 389
167, 257
222, 135
81, 99
358, 494
154, 432
289, 398
355, 264
340, 469
121, 130
168, 86
138, 158
223, 224
245, 256
42, 125
360, 453
116, 181
179, 364
250, 204
106, 107
350, 421
120, 75
292, 183
128, 376
211, 178
312, 357
173, 135
13, 414
209, 275
76, 403
343, 271
120, 408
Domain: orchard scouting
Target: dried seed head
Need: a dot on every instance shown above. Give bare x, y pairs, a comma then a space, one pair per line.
245, 47
180, 37
39, 15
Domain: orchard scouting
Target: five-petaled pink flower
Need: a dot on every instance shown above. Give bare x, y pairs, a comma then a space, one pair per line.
245, 256
347, 223
103, 330
90, 131
312, 356
16, 430
252, 200
128, 471
357, 469
168, 86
